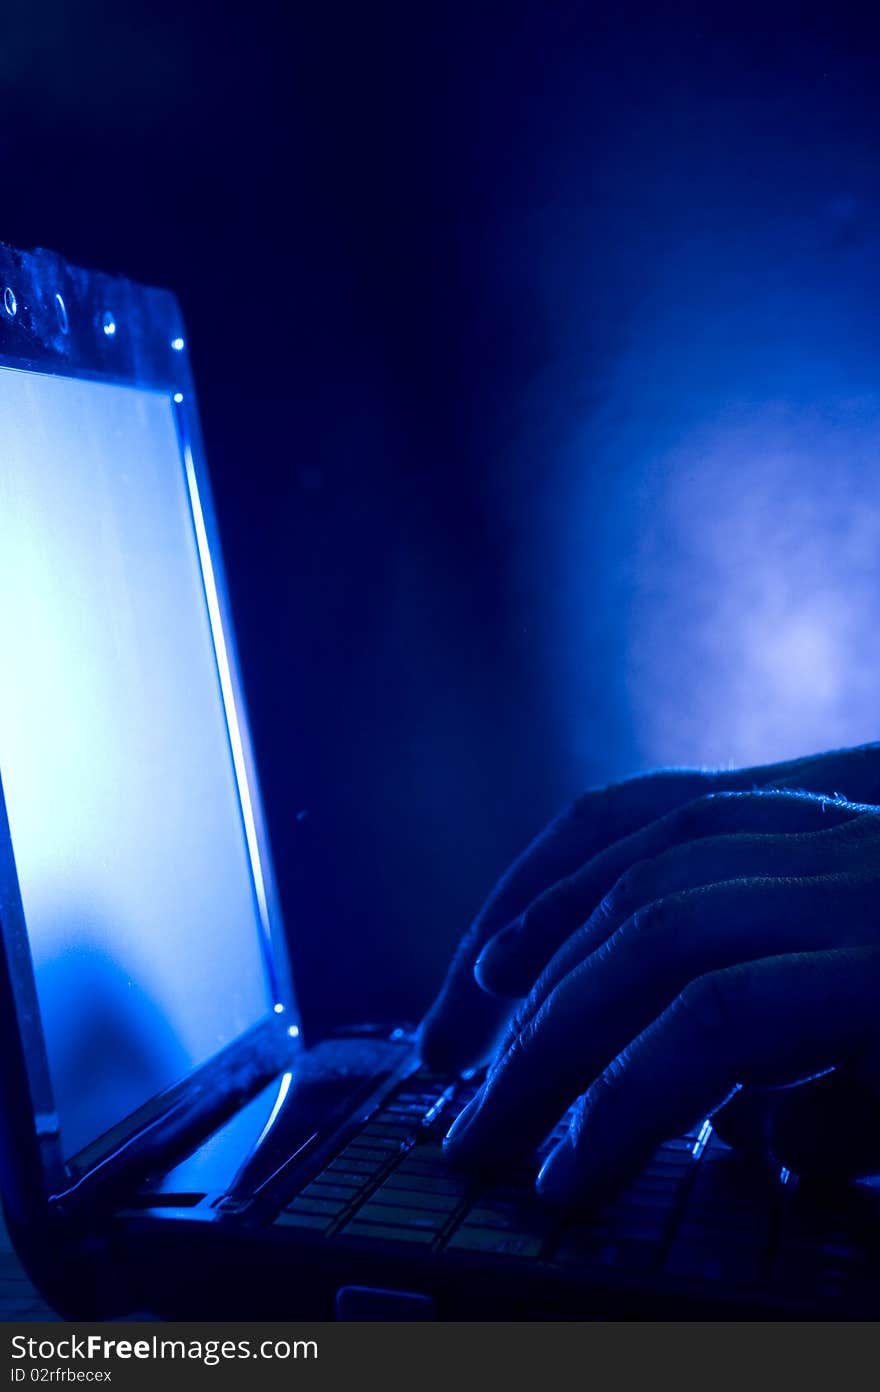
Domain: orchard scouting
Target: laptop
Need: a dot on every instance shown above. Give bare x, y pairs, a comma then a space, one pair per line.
168, 1142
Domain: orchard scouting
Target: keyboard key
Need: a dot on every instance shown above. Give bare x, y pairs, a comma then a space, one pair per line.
694, 1132
387, 1144
422, 1169
380, 1128
372, 1154
349, 1164
437, 1121
320, 1222
307, 1204
400, 1197
678, 1143
428, 1152
428, 1184
383, 1233
319, 1189
507, 1244
509, 1219
424, 1154
373, 1212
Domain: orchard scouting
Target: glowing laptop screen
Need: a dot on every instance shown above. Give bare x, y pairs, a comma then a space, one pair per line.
141, 898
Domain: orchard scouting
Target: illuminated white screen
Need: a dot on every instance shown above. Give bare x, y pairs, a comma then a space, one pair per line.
114, 752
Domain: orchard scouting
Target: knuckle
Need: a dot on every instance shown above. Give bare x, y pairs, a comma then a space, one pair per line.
710, 1002
521, 1043
599, 1099
611, 1077
656, 937
520, 1020
520, 1028
624, 891
579, 1117
510, 1036
648, 923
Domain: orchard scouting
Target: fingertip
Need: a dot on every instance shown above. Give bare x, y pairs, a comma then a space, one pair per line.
497, 970
454, 1136
557, 1177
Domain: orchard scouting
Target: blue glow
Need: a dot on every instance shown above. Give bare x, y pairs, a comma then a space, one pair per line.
741, 573
126, 823
293, 1031
700, 440
227, 690
10, 302
178, 345
278, 1008
178, 397
283, 1090
703, 1135
108, 324
61, 311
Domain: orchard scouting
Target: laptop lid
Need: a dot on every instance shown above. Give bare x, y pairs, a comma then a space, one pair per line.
145, 984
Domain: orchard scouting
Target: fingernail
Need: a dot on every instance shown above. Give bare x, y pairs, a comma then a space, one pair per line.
463, 1120
556, 1177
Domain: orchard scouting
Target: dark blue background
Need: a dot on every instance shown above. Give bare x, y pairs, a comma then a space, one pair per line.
536, 346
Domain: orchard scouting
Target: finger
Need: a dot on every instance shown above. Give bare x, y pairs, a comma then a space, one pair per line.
463, 1024
611, 997
700, 863
765, 1022
512, 960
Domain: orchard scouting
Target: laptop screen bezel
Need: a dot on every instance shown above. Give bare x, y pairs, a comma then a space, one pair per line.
59, 327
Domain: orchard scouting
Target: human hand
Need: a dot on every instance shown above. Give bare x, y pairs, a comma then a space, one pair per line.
710, 887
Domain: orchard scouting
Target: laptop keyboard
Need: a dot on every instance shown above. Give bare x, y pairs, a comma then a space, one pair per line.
697, 1213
